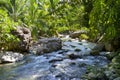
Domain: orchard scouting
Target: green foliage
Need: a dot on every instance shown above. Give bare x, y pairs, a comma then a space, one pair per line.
15, 8
94, 73
46, 17
62, 29
6, 25
105, 17
49, 16
84, 36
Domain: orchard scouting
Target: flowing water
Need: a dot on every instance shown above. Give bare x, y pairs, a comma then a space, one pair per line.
59, 65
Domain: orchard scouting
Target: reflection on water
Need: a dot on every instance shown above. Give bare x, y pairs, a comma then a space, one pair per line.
5, 70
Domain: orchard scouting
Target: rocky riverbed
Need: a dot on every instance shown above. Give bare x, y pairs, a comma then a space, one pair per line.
70, 63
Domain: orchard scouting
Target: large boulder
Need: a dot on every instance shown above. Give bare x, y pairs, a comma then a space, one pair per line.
46, 45
10, 57
24, 34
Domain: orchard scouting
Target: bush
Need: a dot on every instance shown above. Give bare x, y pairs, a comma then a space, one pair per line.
6, 25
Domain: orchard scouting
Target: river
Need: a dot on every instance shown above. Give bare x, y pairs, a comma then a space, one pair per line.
69, 63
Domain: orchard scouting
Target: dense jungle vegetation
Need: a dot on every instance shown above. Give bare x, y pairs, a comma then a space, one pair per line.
101, 18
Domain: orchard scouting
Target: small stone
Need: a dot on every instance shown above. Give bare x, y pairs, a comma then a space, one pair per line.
77, 50
54, 60
99, 47
82, 65
72, 46
80, 43
76, 34
73, 56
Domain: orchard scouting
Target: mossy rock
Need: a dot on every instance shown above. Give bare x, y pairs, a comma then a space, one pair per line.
116, 59
111, 55
94, 52
94, 76
83, 36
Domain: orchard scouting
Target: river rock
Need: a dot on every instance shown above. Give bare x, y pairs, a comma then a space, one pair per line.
24, 34
73, 55
9, 57
111, 55
76, 34
46, 45
94, 52
108, 47
97, 49
116, 44
113, 45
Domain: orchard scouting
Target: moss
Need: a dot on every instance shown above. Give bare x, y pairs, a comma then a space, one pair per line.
84, 36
